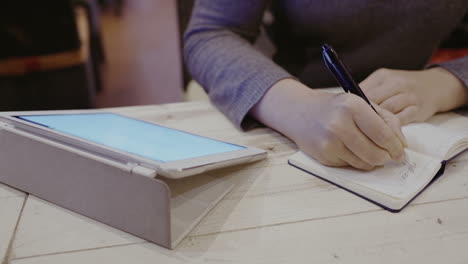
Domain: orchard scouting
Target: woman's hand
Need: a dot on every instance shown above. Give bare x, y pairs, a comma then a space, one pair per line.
336, 129
414, 96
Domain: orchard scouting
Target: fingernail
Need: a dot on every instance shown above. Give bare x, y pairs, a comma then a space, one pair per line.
405, 143
402, 157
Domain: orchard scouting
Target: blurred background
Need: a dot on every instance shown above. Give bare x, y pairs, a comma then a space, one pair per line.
69, 54
66, 54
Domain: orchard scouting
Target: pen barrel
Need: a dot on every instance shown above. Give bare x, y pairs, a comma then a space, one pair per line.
340, 72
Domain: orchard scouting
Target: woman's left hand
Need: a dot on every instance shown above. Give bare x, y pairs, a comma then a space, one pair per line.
414, 96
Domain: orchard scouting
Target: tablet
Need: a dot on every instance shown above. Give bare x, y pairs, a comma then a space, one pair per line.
172, 153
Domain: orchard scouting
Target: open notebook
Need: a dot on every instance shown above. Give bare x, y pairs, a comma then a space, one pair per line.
394, 185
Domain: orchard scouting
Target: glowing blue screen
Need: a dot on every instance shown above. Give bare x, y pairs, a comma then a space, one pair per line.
133, 136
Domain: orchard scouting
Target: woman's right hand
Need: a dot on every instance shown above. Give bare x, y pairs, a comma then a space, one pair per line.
335, 129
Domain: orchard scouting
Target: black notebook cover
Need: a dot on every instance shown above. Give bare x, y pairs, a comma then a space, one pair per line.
438, 174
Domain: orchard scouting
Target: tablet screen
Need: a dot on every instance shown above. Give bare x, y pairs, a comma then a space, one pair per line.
138, 137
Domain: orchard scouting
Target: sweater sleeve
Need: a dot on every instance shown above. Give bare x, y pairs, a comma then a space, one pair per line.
458, 67
219, 54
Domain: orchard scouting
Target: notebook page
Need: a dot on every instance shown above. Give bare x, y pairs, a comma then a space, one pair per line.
434, 139
451, 121
399, 180
438, 135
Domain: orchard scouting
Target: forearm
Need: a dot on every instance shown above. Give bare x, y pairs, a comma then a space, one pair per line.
219, 55
455, 80
283, 105
453, 91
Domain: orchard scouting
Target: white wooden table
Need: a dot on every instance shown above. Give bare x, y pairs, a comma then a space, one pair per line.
275, 214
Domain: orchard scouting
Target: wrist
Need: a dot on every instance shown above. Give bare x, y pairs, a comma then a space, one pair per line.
284, 104
450, 92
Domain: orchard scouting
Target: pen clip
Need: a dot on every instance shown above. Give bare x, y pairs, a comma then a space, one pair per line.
334, 72
341, 73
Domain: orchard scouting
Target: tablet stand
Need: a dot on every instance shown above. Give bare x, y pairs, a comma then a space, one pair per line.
124, 196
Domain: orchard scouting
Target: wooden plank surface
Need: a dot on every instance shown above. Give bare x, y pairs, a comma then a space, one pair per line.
46, 228
429, 233
277, 214
11, 205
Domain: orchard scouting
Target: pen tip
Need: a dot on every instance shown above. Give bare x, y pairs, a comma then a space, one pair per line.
325, 46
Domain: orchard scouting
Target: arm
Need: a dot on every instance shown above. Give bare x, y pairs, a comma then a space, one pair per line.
337, 130
457, 73
219, 55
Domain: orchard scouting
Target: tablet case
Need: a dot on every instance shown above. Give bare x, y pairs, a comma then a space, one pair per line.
125, 196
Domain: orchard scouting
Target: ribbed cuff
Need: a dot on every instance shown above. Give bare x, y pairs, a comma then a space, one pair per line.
253, 91
458, 67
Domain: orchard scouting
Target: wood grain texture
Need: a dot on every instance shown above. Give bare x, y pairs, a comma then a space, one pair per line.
278, 214
430, 233
11, 205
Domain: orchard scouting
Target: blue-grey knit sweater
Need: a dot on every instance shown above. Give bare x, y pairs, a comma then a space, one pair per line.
396, 34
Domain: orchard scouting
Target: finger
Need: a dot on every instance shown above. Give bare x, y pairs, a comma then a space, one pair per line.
382, 92
378, 131
334, 153
353, 160
372, 81
408, 114
393, 121
362, 147
341, 156
376, 87
328, 160
398, 102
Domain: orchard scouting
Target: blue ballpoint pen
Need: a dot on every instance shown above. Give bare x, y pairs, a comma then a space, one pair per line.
341, 73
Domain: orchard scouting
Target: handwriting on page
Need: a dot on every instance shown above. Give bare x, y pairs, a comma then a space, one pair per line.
410, 169
397, 179
395, 174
